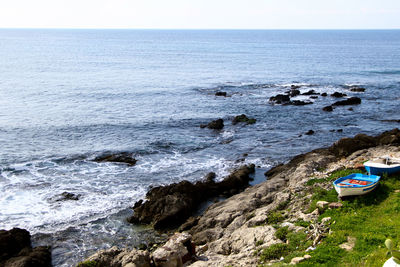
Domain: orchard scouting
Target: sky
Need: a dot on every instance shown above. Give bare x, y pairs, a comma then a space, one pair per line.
201, 14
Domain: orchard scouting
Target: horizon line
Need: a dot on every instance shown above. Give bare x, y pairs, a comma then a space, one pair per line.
202, 29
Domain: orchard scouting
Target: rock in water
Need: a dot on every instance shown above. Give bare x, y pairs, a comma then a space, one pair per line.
243, 118
348, 101
280, 99
215, 125
122, 157
169, 206
219, 93
337, 94
16, 250
327, 108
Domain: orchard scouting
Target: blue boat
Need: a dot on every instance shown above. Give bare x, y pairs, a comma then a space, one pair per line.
356, 184
383, 165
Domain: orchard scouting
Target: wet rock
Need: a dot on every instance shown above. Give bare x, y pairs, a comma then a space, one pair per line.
324, 94
339, 130
348, 101
337, 94
299, 103
310, 92
310, 132
350, 109
357, 89
280, 99
16, 250
398, 121
123, 157
219, 93
314, 97
243, 118
327, 108
178, 250
169, 206
66, 196
294, 87
293, 92
215, 125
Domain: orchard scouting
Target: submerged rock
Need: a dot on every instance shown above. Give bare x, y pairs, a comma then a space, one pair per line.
122, 157
348, 101
337, 94
310, 132
299, 103
16, 250
357, 89
324, 94
215, 125
243, 118
327, 108
310, 92
169, 206
219, 93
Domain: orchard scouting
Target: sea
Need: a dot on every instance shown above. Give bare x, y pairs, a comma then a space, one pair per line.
68, 96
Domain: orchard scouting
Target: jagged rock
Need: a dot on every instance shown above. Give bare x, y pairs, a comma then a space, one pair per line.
337, 94
299, 103
327, 108
215, 125
123, 157
280, 99
16, 250
178, 250
243, 118
219, 93
169, 206
310, 92
294, 92
348, 101
117, 257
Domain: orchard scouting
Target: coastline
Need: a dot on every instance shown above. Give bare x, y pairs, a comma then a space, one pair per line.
229, 232
226, 233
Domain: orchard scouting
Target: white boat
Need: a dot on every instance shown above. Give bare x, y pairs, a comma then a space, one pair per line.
385, 164
355, 184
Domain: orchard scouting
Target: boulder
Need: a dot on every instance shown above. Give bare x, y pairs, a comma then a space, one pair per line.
280, 99
178, 250
296, 260
310, 92
327, 108
117, 257
215, 125
337, 94
243, 118
294, 92
219, 93
169, 206
67, 196
322, 204
324, 94
16, 250
122, 157
348, 101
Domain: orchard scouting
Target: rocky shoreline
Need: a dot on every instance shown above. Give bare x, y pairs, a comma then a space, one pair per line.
232, 232
226, 234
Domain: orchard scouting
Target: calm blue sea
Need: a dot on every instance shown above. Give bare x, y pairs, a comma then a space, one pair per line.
67, 96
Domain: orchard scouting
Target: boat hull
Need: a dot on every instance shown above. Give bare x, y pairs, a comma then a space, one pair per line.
381, 170
355, 184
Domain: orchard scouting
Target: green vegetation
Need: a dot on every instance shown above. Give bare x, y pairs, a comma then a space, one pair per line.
274, 217
301, 222
333, 176
281, 233
370, 219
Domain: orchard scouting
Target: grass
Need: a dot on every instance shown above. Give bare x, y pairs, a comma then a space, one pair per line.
274, 217
371, 219
88, 264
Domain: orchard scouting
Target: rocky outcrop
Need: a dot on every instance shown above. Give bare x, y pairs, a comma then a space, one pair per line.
215, 125
310, 92
348, 101
220, 93
16, 250
178, 250
328, 108
117, 257
280, 99
337, 94
122, 157
244, 119
169, 206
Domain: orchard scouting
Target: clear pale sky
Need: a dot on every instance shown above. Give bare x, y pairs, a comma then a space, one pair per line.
201, 14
